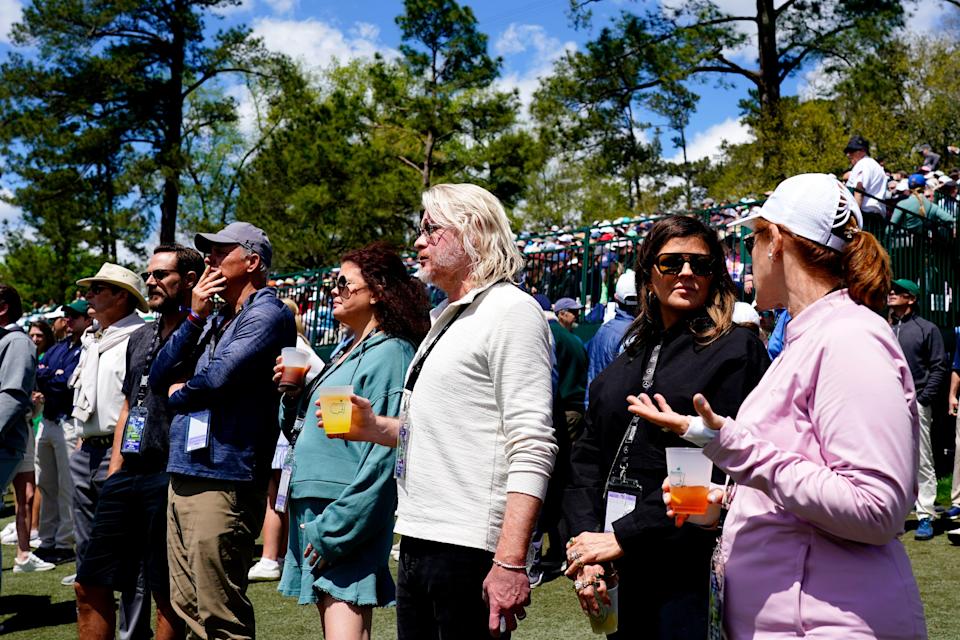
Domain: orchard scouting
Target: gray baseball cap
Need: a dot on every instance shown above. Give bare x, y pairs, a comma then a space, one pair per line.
242, 233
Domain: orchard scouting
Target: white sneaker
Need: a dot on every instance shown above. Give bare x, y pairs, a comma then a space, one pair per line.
35, 542
395, 552
69, 580
31, 564
265, 570
8, 538
7, 530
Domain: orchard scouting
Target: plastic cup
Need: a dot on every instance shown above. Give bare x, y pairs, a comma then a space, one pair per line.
608, 620
688, 471
335, 408
294, 367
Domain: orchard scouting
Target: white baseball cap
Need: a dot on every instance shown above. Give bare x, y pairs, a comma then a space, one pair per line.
626, 291
744, 313
815, 206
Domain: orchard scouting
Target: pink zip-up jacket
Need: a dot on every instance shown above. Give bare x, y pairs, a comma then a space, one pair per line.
824, 454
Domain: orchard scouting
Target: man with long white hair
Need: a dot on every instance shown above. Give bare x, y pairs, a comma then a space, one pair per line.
474, 437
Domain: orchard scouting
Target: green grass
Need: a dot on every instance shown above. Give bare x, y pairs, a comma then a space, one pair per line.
37, 607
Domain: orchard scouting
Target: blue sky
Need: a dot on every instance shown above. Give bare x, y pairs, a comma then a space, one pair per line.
529, 34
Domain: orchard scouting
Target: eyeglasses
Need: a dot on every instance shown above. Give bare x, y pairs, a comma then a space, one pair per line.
96, 288
428, 229
749, 241
158, 274
672, 263
344, 289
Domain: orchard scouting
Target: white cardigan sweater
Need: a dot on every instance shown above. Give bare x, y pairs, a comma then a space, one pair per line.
480, 419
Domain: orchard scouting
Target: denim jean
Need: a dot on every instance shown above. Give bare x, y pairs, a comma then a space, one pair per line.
440, 591
9, 461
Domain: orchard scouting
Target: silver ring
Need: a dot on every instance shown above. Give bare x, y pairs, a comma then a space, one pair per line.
574, 556
578, 585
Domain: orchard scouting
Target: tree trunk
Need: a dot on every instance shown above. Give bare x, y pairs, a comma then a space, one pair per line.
170, 159
768, 88
427, 160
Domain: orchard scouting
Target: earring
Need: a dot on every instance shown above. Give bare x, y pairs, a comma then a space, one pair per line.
770, 255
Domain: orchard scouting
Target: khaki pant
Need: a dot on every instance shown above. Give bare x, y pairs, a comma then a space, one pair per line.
211, 529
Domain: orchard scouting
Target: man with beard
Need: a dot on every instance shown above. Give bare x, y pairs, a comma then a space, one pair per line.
475, 437
129, 530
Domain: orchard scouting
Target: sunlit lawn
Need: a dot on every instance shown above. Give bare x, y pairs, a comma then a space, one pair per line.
36, 606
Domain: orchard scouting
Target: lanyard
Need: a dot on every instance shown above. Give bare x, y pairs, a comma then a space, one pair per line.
305, 403
418, 365
145, 373
622, 459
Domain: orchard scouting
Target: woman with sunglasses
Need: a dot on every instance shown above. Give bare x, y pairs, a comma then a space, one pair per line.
683, 339
342, 494
824, 451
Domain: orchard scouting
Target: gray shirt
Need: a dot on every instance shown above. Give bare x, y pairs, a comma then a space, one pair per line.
18, 373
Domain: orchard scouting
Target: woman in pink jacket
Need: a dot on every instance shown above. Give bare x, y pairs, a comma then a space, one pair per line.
823, 452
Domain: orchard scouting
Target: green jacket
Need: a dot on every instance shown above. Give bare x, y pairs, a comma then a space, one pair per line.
931, 211
571, 367
357, 476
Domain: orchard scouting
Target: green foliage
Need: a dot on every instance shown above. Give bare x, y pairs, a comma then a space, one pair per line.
349, 156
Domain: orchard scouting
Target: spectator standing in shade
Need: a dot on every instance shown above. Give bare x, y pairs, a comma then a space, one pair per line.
18, 370
133, 500
867, 178
607, 342
953, 513
114, 294
571, 363
58, 438
922, 345
224, 430
474, 437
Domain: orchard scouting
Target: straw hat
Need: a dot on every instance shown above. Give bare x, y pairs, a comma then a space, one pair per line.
121, 277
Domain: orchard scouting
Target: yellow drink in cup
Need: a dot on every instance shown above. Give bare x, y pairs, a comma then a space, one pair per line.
336, 408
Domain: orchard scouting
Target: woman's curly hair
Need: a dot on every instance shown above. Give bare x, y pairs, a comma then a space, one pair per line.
402, 309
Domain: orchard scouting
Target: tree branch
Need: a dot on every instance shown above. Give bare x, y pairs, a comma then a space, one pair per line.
410, 164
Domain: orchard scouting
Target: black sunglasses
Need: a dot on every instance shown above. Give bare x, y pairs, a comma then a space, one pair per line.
749, 241
672, 263
158, 274
344, 289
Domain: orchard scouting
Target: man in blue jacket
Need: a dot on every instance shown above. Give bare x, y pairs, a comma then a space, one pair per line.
224, 429
606, 343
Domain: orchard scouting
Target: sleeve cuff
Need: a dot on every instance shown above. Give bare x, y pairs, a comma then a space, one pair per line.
527, 482
698, 433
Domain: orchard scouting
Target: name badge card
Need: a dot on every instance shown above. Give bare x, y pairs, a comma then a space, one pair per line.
198, 431
133, 430
618, 505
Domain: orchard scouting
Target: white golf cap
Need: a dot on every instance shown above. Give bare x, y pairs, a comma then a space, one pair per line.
815, 206
626, 291
744, 313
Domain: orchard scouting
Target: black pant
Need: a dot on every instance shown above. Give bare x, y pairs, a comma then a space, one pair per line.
440, 591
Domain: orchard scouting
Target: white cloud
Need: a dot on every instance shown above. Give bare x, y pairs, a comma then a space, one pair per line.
543, 50
244, 6
10, 12
316, 44
706, 144
282, 7
8, 212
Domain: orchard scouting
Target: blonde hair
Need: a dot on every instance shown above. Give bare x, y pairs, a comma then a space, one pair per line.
482, 223
297, 318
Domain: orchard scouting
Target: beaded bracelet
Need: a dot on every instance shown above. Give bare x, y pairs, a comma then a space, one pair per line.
511, 567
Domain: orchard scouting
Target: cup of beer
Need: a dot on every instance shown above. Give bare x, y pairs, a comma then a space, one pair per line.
294, 367
688, 471
608, 620
335, 408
